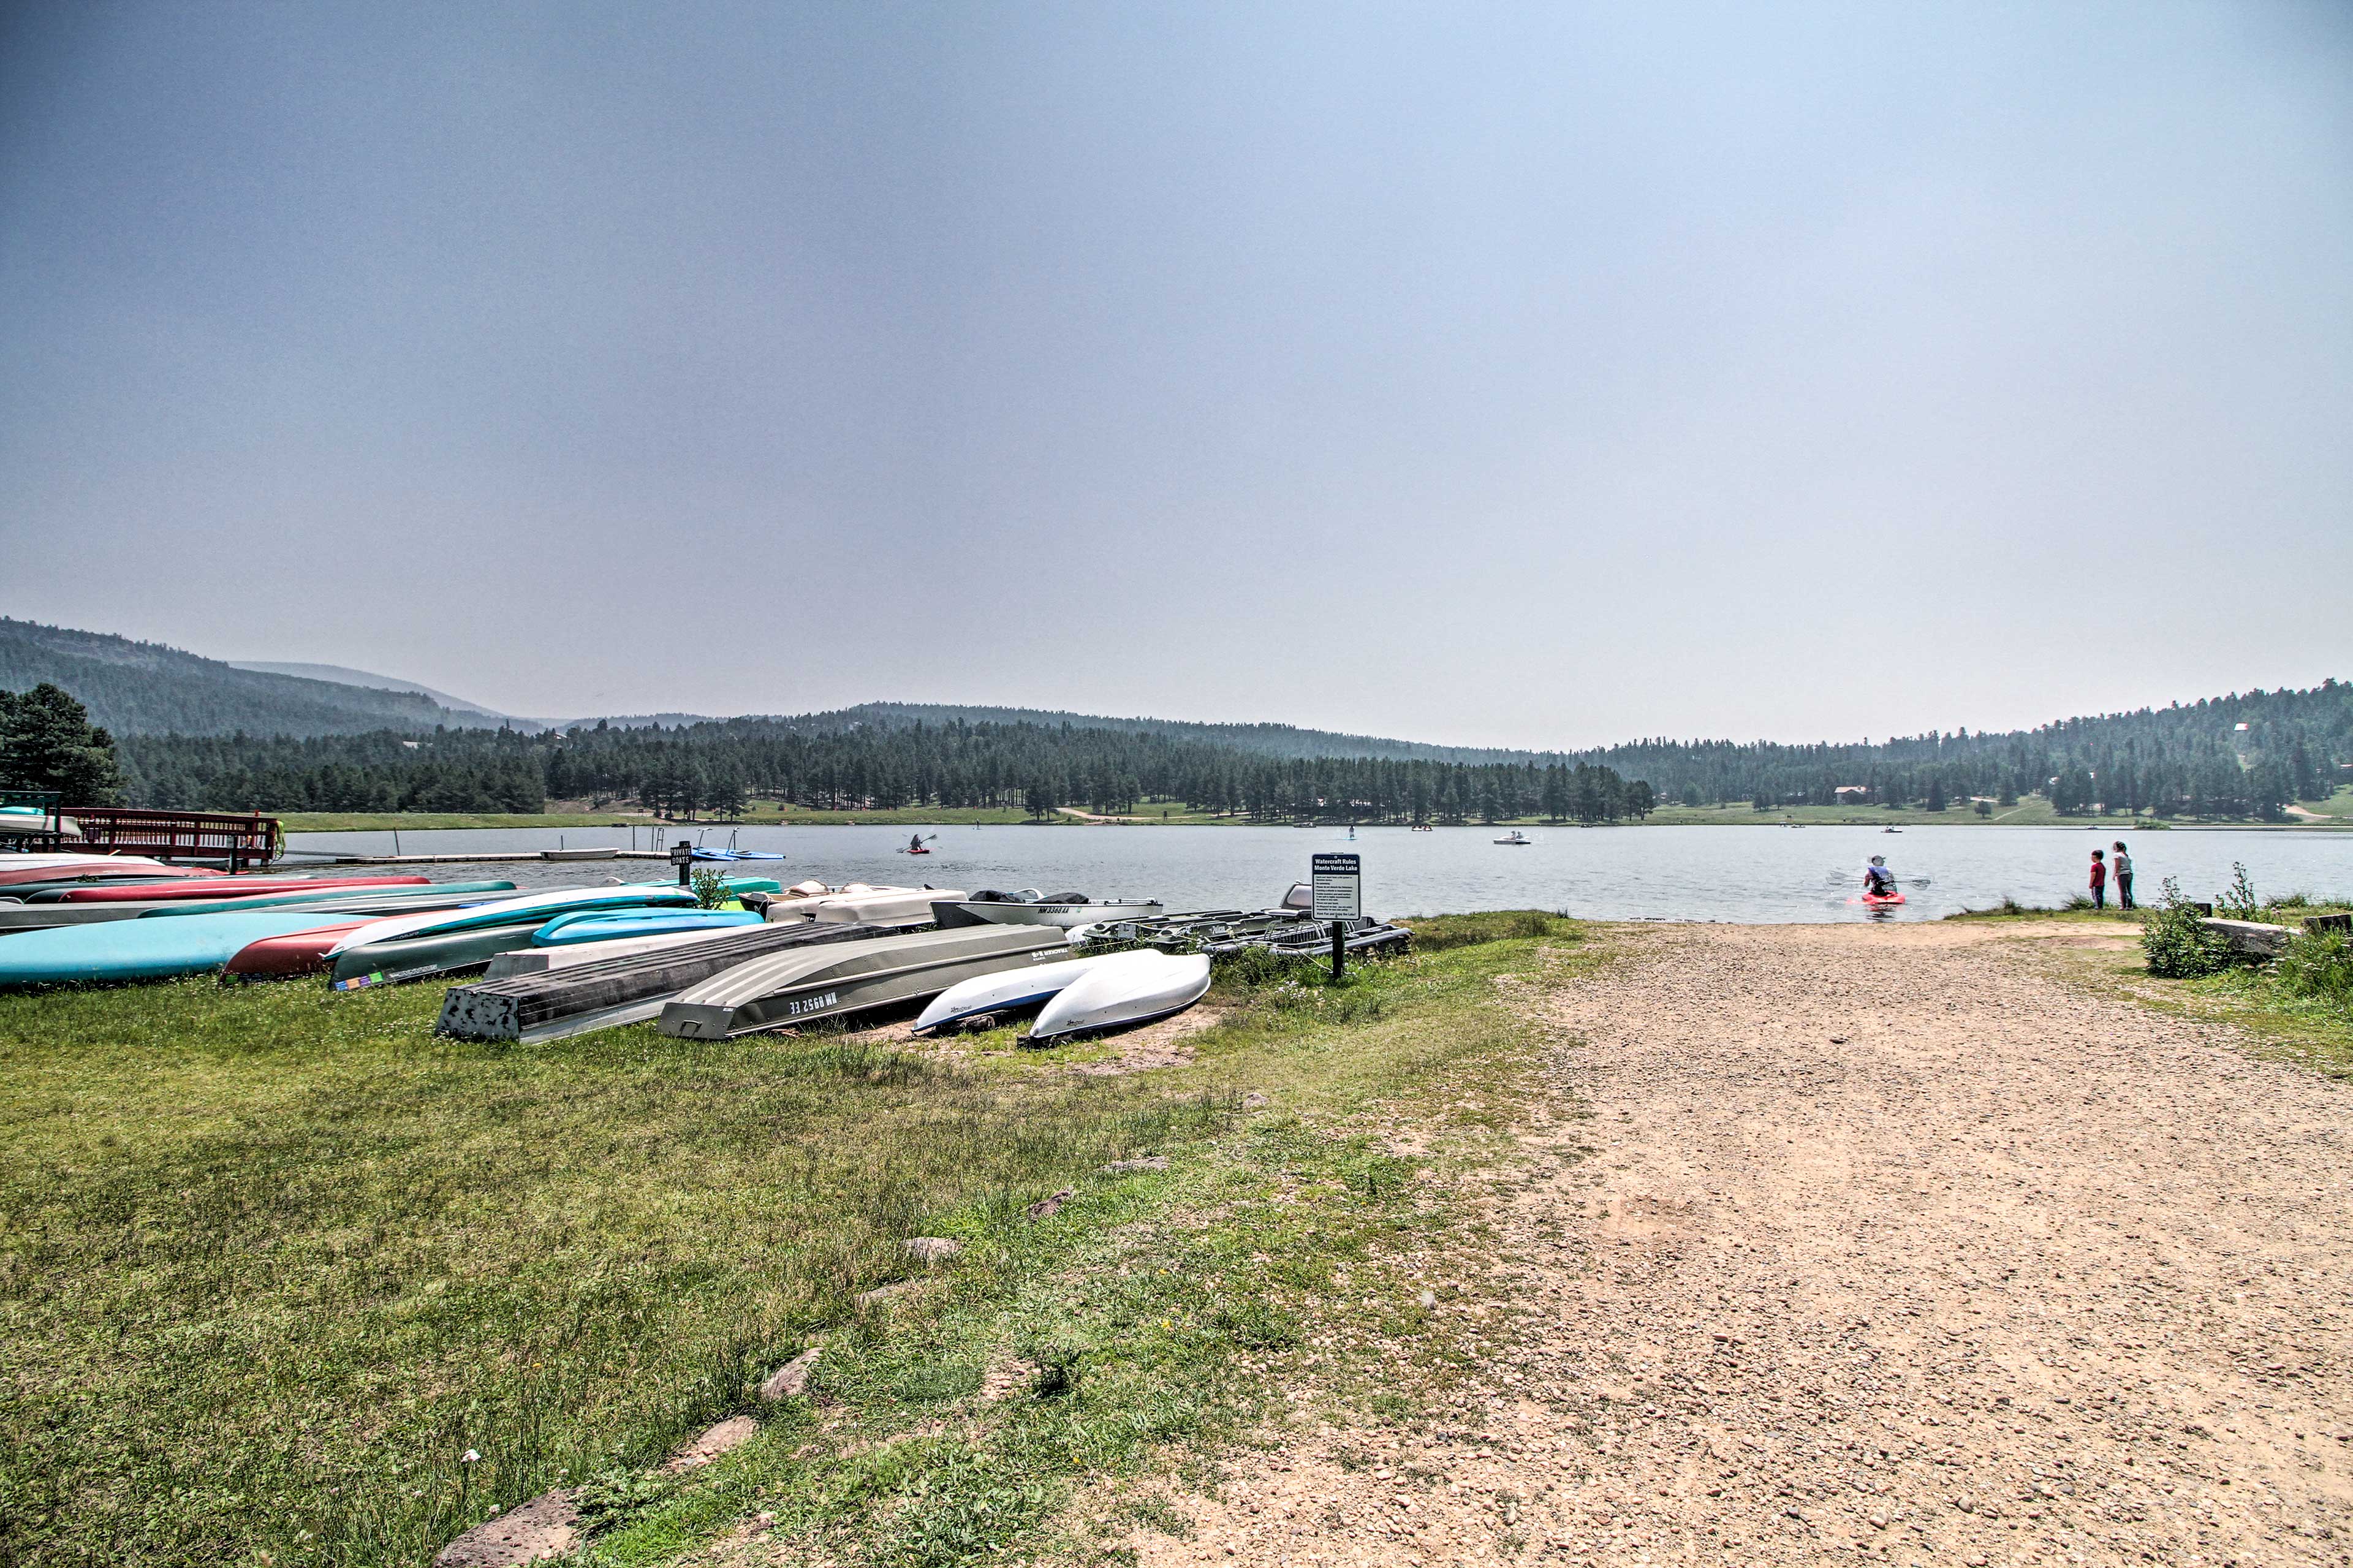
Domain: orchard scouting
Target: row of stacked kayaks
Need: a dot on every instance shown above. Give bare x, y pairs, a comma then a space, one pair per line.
563, 960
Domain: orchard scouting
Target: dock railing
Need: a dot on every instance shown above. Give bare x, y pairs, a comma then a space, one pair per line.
234, 841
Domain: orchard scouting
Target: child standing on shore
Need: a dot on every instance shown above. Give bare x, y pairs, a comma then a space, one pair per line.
2099, 879
2120, 868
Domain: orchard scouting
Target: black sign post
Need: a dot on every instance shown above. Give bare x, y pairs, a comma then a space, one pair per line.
1338, 883
681, 855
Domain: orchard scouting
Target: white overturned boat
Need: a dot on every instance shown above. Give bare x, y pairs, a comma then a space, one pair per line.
855, 903
1116, 996
1030, 908
800, 986
1013, 990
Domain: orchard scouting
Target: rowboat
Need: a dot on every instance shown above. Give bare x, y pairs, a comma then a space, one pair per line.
1011, 991
857, 904
627, 989
1117, 996
800, 987
1030, 907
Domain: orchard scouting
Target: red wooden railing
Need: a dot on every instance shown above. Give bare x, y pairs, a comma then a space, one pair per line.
239, 841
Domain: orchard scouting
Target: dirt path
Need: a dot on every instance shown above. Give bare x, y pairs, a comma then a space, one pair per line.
1891, 1247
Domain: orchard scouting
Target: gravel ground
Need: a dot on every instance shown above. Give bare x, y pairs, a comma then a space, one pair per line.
1883, 1243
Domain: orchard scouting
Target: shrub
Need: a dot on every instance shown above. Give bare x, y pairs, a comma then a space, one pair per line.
2318, 966
1444, 932
2240, 903
2175, 945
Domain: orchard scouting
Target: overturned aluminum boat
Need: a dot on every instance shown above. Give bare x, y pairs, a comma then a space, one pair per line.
790, 988
1120, 994
1030, 908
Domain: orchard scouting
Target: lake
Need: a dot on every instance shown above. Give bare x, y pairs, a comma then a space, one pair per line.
1741, 875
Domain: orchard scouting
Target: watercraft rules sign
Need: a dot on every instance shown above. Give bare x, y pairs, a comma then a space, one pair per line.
1338, 881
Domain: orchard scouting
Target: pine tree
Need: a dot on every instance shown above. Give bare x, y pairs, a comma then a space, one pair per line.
47, 742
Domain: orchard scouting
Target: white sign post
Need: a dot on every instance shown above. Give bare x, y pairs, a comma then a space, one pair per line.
1338, 883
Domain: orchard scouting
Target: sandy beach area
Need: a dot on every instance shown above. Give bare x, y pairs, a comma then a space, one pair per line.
1884, 1244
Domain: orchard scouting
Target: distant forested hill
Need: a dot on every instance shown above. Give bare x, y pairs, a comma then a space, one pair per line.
2247, 755
2238, 756
1286, 740
137, 688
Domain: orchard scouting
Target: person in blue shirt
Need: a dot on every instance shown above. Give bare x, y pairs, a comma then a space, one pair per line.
1877, 880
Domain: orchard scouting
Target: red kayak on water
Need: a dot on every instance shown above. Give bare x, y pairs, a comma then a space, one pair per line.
235, 887
1877, 899
284, 957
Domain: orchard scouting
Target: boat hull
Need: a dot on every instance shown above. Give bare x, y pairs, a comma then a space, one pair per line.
141, 950
1061, 915
1008, 991
1120, 996
795, 988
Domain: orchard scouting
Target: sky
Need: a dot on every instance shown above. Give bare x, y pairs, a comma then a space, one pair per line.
1537, 375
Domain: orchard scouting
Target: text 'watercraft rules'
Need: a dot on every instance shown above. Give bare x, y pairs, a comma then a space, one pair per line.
1339, 885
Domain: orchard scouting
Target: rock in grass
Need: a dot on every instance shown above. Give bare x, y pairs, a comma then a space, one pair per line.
547, 1526
932, 1249
731, 1433
790, 1381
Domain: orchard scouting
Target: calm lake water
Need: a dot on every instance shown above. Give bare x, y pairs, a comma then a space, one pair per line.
1741, 875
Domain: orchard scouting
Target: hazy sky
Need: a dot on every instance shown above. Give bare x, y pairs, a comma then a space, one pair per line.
1538, 374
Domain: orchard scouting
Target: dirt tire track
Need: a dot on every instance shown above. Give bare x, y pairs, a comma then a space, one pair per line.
2008, 1274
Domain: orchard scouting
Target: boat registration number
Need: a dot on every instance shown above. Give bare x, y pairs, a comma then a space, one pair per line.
811, 1004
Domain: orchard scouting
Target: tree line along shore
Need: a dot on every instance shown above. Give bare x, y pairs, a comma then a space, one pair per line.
2275, 757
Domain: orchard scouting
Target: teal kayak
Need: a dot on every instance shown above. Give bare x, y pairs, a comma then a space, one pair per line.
605, 925
142, 950
561, 901
404, 958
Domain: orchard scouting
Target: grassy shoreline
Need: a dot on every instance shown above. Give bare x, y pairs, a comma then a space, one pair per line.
273, 1262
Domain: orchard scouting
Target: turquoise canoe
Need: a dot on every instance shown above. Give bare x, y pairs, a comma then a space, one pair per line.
603, 925
142, 950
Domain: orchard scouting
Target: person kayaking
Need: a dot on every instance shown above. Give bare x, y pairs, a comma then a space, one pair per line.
1878, 881
915, 846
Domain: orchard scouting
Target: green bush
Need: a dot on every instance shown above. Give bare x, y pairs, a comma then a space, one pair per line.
2175, 945
2318, 966
1444, 931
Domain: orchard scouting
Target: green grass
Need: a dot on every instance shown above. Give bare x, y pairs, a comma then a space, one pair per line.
272, 1261
2337, 807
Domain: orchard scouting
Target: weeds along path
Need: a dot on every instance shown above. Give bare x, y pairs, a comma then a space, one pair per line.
1883, 1244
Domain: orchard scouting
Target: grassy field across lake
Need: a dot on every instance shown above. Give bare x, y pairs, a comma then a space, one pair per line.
284, 1278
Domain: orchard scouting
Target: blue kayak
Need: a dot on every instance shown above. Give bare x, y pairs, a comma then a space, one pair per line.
605, 925
143, 950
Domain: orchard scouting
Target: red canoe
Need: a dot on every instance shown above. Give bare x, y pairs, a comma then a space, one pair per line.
283, 957
98, 868
239, 888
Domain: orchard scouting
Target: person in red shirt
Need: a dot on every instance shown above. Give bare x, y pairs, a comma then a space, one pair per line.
2099, 879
